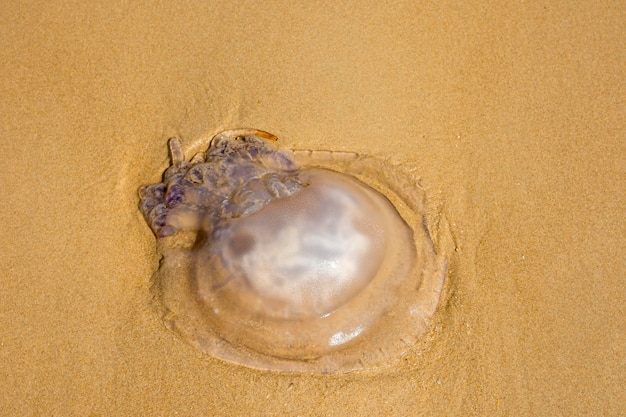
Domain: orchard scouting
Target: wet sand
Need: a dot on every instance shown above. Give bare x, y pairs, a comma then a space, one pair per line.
512, 115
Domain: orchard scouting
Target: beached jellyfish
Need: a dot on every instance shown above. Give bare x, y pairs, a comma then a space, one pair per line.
292, 260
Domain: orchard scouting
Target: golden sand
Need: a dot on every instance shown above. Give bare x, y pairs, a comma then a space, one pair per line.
513, 115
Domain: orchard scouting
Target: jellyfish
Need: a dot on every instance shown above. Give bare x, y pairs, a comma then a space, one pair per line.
313, 261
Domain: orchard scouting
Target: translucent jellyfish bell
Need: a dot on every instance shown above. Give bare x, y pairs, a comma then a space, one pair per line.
292, 260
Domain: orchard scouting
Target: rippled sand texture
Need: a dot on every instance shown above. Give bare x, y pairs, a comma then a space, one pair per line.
511, 114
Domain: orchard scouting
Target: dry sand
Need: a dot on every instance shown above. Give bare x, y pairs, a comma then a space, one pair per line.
513, 113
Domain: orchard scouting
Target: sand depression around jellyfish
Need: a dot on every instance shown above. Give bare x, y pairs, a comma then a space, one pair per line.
292, 260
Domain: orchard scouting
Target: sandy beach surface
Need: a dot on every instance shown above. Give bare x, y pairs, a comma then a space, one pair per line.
512, 113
